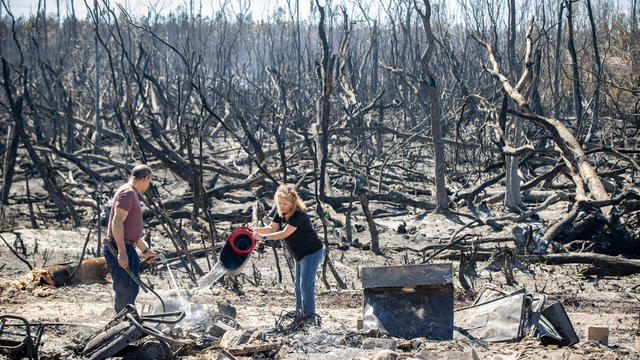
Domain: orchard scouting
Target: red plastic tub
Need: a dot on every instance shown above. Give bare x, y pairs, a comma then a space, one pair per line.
241, 240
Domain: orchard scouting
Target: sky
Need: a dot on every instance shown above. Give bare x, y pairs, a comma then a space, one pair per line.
260, 9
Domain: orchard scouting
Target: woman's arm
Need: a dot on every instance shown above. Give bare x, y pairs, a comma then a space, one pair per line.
273, 227
277, 235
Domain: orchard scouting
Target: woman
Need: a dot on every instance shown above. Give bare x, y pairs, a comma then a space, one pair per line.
292, 224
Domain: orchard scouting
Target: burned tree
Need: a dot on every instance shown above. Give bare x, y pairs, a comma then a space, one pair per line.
582, 174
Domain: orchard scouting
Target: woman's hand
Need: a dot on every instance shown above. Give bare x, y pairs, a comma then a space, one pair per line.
256, 235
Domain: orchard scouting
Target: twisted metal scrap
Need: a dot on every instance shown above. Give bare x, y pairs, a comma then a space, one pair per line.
293, 321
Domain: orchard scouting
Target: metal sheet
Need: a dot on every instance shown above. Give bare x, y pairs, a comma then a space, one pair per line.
558, 318
533, 308
547, 333
409, 301
407, 275
411, 312
498, 320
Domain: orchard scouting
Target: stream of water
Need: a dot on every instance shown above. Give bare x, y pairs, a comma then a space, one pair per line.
183, 305
212, 276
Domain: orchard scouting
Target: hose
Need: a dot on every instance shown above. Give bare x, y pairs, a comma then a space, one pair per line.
142, 285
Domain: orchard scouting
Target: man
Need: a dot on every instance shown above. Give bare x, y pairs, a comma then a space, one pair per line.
124, 235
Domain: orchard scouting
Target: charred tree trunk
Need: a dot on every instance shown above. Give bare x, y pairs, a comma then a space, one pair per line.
428, 84
596, 93
63, 204
325, 76
512, 196
581, 171
9, 163
556, 70
575, 73
364, 202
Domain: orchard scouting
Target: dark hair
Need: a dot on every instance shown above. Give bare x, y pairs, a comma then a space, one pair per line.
140, 172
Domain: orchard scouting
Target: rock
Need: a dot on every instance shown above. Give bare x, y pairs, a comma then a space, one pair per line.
218, 329
431, 355
467, 354
224, 307
409, 345
232, 339
454, 355
253, 348
598, 333
376, 343
470, 354
558, 355
385, 355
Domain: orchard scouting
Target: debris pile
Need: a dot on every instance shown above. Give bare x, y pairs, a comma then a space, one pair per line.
498, 316
416, 301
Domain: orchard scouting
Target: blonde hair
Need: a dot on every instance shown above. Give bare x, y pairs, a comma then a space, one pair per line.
288, 191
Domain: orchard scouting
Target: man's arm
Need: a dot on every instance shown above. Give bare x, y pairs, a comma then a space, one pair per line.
145, 249
117, 228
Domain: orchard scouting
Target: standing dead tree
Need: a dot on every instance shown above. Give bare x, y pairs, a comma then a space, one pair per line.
48, 177
582, 174
428, 84
323, 106
577, 84
207, 76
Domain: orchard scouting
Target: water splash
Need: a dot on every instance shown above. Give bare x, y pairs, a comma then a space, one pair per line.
183, 305
212, 276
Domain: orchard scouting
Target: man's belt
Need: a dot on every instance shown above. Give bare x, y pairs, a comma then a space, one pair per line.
126, 241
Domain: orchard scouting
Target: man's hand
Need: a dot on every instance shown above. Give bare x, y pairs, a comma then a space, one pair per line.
123, 259
149, 256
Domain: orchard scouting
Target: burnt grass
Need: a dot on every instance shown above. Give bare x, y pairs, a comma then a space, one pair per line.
75, 312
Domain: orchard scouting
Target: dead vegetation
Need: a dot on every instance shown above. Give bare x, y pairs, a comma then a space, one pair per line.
414, 136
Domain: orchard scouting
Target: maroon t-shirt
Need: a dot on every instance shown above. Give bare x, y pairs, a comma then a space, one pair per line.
126, 198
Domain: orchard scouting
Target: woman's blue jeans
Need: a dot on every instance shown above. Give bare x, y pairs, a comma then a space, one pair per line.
305, 282
125, 288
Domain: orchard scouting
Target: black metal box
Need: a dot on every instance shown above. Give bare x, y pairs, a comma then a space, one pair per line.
409, 301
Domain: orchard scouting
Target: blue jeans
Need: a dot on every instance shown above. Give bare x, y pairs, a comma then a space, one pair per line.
125, 288
305, 282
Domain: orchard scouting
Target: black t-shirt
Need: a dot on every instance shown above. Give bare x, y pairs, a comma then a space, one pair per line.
304, 240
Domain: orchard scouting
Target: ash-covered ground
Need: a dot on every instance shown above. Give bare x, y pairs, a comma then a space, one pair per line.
76, 312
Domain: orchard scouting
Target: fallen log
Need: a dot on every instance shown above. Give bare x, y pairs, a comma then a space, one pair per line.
601, 264
93, 269
392, 197
470, 195
238, 216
